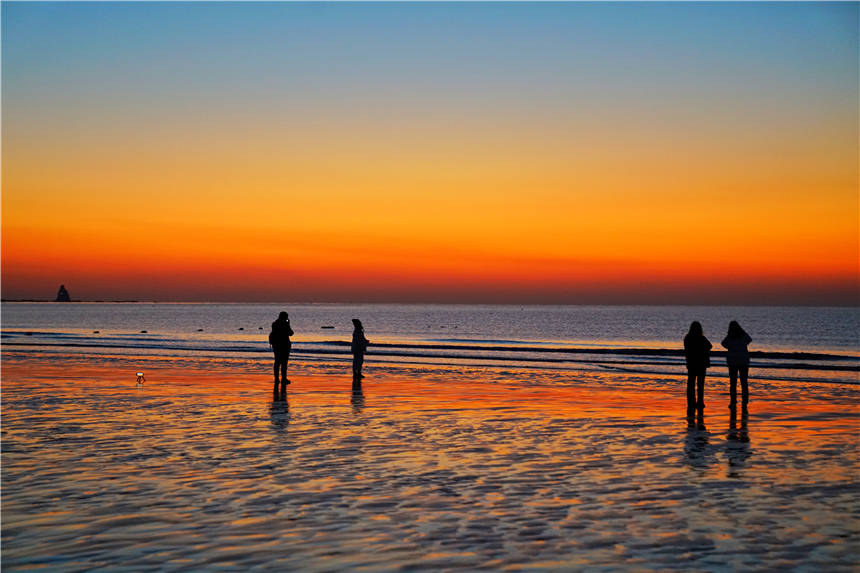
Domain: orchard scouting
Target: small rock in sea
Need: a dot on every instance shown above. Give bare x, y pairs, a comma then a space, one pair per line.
95, 332
259, 328
241, 328
199, 330
143, 331
326, 326
63, 295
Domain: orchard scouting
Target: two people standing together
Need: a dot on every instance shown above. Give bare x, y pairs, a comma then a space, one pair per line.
279, 339
697, 350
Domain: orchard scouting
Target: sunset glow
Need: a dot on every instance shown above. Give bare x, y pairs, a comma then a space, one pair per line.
565, 153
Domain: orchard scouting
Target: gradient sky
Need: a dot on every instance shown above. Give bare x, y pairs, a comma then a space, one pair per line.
523, 153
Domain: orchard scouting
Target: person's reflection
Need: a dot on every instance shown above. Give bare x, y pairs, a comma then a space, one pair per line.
357, 399
696, 447
696, 421
737, 441
279, 412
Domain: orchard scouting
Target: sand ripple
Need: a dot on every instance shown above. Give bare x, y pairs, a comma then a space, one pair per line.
176, 479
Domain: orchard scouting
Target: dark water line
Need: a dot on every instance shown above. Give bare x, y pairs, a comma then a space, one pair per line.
261, 347
465, 356
800, 366
612, 351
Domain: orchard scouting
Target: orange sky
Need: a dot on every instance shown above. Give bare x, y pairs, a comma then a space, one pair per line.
402, 193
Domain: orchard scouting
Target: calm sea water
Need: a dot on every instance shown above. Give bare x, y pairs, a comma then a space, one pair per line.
811, 342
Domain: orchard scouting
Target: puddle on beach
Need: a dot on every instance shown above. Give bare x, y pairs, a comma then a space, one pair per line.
202, 469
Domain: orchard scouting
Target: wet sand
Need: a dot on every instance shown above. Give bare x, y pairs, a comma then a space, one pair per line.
422, 468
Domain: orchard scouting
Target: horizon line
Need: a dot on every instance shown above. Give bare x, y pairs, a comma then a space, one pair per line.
426, 303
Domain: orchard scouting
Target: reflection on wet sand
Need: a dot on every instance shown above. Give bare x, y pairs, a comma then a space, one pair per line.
357, 399
737, 441
454, 472
279, 412
700, 452
697, 448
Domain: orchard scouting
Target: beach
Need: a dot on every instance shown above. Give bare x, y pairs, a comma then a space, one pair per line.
526, 223
421, 468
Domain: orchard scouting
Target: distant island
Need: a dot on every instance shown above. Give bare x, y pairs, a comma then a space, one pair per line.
63, 295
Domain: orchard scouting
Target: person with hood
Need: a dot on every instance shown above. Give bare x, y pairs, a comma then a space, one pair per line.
359, 346
738, 360
279, 338
697, 350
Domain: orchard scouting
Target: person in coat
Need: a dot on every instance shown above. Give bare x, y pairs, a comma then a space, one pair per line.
279, 338
697, 350
359, 346
738, 361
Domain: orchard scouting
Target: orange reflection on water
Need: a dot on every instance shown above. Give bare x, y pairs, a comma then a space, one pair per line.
426, 462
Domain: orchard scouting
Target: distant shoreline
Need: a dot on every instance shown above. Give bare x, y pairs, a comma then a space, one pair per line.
84, 301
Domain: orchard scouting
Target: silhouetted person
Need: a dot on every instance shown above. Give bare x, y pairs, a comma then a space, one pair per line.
697, 351
279, 338
359, 346
738, 360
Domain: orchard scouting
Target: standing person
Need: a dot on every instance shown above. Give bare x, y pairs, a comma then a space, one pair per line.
738, 360
697, 350
359, 346
279, 338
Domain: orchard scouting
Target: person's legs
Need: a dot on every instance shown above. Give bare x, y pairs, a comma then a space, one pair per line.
285, 358
691, 390
745, 391
277, 366
281, 359
733, 386
700, 383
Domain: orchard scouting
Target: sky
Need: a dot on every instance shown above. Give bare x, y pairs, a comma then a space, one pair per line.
576, 153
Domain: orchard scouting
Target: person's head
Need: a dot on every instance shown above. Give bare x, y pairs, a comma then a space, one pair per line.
283, 316
695, 329
357, 324
735, 329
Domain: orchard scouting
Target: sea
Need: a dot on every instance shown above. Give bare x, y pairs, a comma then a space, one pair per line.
820, 344
483, 438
